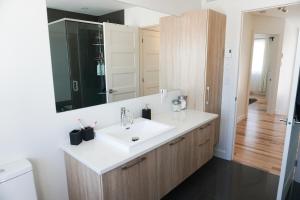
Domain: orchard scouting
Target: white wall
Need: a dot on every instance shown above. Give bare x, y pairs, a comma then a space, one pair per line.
233, 10
167, 6
30, 126
245, 67
142, 17
286, 69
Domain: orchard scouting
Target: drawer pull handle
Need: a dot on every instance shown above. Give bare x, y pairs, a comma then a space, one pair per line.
133, 164
177, 141
205, 142
203, 127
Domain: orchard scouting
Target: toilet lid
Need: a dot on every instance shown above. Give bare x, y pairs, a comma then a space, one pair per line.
14, 169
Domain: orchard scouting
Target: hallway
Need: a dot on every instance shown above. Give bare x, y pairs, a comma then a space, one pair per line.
260, 138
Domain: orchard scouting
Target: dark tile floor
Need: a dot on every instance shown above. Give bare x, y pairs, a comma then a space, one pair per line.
294, 193
226, 180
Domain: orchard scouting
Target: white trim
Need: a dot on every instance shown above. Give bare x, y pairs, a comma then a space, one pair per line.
74, 20
230, 153
220, 153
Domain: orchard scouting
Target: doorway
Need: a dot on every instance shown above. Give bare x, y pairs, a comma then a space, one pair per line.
267, 61
149, 60
263, 81
260, 135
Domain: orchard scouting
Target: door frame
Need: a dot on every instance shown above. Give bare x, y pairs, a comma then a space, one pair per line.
290, 120
231, 149
235, 119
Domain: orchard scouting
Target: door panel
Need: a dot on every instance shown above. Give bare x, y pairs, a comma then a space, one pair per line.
121, 46
291, 138
203, 145
174, 163
149, 62
133, 181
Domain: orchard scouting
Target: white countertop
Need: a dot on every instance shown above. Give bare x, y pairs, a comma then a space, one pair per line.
102, 157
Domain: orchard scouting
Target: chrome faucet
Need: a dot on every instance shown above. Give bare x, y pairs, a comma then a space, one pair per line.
125, 117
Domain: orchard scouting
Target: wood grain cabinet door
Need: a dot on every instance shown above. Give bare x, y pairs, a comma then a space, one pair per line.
174, 162
203, 145
135, 180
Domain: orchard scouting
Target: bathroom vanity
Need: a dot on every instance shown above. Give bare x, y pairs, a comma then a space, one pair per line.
97, 170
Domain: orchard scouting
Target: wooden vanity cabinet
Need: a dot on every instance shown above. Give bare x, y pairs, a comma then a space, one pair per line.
174, 163
135, 180
148, 177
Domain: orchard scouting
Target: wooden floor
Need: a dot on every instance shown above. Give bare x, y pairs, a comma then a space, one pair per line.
260, 138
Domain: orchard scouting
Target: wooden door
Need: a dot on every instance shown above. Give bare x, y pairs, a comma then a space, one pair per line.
149, 61
291, 142
133, 181
121, 52
203, 145
214, 65
174, 162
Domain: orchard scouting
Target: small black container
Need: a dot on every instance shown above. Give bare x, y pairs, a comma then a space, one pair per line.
146, 113
88, 133
75, 137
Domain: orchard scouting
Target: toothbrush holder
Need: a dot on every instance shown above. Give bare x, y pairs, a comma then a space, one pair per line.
88, 133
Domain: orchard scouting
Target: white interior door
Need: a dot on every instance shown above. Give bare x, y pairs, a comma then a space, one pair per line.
121, 51
291, 138
273, 74
149, 61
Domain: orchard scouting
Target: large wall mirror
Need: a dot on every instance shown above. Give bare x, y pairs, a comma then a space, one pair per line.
99, 55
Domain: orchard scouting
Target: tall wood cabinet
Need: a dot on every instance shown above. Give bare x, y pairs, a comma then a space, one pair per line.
192, 58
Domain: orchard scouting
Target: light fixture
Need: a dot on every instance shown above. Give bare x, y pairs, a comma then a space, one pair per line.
262, 11
283, 9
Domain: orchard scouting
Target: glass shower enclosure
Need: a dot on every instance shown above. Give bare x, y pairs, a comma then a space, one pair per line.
78, 65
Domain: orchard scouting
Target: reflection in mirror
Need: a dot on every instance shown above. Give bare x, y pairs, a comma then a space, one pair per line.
96, 62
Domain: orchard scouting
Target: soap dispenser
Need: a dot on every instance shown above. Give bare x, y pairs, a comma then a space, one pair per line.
146, 112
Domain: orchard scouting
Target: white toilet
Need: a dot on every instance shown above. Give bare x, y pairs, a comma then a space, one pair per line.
16, 181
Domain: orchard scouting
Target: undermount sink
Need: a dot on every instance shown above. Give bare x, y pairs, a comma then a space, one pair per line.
132, 136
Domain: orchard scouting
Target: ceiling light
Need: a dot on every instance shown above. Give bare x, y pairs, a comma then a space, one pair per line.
262, 11
283, 9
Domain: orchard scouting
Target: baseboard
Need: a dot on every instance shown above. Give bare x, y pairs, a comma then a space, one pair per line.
221, 153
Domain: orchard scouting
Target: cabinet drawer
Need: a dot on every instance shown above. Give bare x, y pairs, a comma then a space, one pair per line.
174, 162
202, 145
133, 181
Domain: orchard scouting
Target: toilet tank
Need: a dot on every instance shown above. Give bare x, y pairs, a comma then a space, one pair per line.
16, 181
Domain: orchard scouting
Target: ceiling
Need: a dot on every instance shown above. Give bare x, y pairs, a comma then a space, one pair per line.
293, 12
91, 7
174, 7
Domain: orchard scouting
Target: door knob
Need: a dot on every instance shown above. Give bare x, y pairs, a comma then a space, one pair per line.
283, 120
